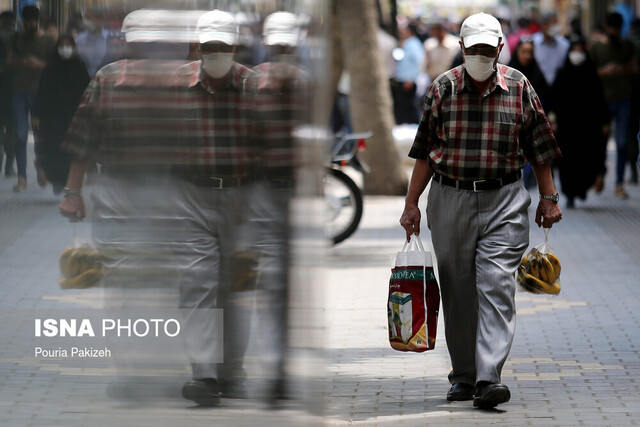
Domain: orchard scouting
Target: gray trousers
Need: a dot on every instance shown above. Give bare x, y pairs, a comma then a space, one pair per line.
479, 239
164, 232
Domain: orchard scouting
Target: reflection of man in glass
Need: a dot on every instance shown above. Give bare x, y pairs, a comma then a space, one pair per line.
215, 165
172, 141
280, 90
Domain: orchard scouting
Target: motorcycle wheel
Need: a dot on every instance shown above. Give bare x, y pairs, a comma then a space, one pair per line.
344, 202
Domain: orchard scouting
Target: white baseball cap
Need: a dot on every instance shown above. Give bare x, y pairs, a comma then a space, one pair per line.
217, 26
481, 28
281, 28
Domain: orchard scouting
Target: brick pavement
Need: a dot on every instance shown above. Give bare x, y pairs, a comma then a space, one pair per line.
574, 360
46, 392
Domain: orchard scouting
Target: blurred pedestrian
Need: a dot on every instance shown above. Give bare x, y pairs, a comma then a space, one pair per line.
27, 56
524, 61
616, 63
521, 31
634, 127
7, 31
61, 87
173, 167
92, 41
281, 88
215, 109
583, 124
386, 44
550, 47
480, 122
409, 59
440, 50
51, 28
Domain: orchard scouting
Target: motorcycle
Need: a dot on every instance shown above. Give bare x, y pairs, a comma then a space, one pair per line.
342, 194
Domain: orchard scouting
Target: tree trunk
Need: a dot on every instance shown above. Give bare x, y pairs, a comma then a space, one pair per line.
370, 98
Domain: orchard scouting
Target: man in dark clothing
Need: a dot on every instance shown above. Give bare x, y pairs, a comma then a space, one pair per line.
7, 31
615, 61
27, 56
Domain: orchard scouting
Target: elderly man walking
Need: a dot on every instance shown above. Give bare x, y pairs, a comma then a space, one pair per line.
480, 122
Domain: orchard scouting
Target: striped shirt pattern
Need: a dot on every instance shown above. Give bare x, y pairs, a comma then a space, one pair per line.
164, 113
467, 136
280, 97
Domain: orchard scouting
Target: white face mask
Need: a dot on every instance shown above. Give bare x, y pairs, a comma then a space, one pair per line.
89, 25
217, 64
554, 30
576, 57
65, 52
479, 67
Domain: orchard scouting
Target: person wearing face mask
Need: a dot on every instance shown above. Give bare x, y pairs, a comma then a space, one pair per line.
481, 121
27, 56
583, 124
61, 86
280, 86
172, 139
550, 48
523, 60
92, 42
616, 63
215, 108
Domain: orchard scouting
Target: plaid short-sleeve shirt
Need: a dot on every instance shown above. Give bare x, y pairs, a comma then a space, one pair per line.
127, 115
165, 113
470, 136
280, 94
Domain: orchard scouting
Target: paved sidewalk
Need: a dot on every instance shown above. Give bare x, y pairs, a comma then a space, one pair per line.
46, 392
575, 359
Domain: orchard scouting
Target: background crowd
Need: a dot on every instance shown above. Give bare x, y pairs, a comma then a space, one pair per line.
587, 80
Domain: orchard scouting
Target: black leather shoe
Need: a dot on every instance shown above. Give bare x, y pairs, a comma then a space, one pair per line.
233, 389
490, 395
204, 392
459, 392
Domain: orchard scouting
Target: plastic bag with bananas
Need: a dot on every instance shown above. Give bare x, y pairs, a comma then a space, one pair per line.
81, 267
539, 270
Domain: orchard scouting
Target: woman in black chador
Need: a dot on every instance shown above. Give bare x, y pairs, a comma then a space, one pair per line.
524, 61
583, 124
61, 87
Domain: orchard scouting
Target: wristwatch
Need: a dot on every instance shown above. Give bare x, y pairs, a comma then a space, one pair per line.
70, 191
555, 197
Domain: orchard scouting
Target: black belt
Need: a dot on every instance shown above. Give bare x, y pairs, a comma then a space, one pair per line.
281, 184
480, 185
217, 183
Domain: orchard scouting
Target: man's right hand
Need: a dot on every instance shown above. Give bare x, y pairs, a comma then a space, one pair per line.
72, 207
410, 220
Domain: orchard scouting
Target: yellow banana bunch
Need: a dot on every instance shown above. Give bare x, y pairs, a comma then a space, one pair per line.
539, 273
81, 268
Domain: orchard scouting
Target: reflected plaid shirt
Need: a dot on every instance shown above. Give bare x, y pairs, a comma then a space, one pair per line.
467, 136
126, 116
164, 113
281, 94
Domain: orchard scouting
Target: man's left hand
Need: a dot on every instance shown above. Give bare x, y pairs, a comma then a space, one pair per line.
548, 213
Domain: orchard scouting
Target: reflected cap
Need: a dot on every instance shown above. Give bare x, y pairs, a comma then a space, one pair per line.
217, 26
281, 28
